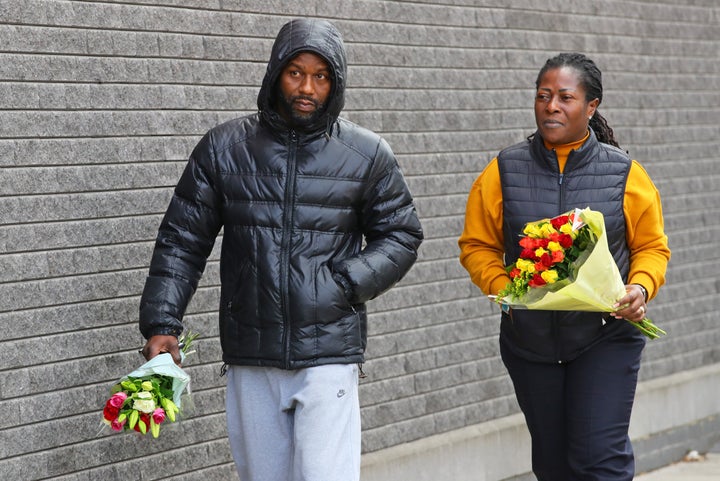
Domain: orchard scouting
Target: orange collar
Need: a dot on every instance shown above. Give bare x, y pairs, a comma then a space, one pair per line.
563, 151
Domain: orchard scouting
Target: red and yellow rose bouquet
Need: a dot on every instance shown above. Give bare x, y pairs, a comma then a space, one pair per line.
565, 265
148, 396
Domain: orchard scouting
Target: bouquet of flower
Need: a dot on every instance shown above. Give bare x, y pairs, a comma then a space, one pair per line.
146, 397
565, 265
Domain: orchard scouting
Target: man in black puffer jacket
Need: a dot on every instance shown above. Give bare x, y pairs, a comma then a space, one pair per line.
317, 220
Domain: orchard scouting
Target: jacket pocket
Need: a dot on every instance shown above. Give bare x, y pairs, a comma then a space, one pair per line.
243, 303
330, 301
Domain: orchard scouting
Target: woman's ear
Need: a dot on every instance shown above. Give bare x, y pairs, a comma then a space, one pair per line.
592, 107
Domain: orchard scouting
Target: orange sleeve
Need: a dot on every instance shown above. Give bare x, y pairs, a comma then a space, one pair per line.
645, 231
481, 243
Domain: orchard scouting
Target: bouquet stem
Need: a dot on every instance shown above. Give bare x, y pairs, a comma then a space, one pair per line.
647, 327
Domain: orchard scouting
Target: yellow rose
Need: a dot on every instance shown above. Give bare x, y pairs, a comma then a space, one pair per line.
546, 230
525, 265
554, 246
531, 230
550, 276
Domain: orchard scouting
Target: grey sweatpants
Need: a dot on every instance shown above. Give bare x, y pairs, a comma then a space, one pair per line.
300, 425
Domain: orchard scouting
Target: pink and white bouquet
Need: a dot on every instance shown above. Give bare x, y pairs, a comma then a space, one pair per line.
150, 395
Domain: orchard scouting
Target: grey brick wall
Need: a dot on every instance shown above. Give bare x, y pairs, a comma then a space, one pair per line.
101, 102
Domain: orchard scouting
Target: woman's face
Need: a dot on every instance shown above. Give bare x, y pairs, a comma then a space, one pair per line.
561, 111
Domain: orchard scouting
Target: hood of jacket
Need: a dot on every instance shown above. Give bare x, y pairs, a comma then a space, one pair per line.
306, 35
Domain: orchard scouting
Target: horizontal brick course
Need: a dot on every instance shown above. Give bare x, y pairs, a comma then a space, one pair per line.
101, 104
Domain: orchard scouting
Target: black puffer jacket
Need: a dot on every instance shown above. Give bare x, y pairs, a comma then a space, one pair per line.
296, 208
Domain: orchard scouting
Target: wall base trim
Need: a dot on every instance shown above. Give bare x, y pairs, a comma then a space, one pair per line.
672, 415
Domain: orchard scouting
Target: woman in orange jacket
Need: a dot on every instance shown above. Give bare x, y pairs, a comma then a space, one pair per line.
574, 373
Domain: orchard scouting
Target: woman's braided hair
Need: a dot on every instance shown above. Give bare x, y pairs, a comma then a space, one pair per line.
591, 79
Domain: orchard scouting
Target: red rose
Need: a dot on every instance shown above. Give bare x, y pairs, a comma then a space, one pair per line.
537, 281
110, 412
527, 243
565, 241
559, 221
546, 260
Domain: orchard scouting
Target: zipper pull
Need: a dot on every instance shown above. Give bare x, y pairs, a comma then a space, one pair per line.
560, 180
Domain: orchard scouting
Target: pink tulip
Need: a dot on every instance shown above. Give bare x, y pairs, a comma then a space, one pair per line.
117, 425
158, 415
117, 399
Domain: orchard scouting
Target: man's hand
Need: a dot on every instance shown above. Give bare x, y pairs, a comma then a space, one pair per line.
160, 344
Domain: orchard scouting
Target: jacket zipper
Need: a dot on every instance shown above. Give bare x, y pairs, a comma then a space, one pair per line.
561, 177
288, 203
561, 203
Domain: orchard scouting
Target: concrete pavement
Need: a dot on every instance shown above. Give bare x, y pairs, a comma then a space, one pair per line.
704, 467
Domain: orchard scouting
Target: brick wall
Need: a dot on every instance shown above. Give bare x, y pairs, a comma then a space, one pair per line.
101, 103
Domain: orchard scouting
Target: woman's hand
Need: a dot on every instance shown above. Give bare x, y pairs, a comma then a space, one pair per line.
632, 306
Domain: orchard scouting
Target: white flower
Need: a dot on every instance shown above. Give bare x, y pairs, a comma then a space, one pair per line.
144, 402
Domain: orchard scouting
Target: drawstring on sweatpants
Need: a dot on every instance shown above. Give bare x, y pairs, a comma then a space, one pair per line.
361, 373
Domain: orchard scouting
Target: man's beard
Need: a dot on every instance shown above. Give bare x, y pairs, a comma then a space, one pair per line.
299, 119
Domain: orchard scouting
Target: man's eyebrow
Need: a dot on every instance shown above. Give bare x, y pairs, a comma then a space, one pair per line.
292, 64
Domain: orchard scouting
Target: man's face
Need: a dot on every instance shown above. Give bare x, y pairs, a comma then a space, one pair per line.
305, 86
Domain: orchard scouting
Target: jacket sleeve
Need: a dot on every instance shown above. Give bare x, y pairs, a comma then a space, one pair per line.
391, 229
184, 242
482, 241
646, 238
